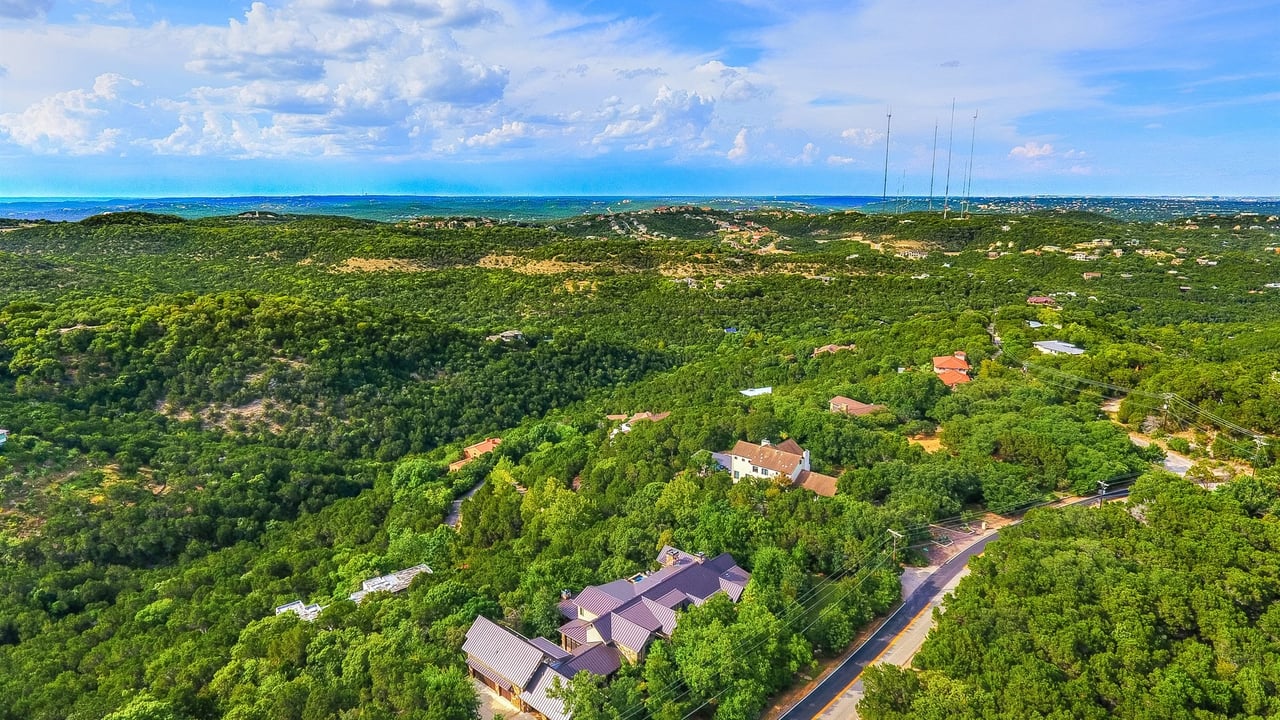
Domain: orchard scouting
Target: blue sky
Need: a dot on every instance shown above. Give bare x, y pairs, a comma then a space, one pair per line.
123, 98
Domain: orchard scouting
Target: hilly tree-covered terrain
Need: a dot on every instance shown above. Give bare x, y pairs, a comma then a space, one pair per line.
207, 419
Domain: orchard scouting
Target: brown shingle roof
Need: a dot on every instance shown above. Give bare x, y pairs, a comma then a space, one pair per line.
824, 485
849, 406
768, 457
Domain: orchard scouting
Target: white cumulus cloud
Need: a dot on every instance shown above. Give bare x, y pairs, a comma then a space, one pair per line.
739, 150
74, 122
1031, 150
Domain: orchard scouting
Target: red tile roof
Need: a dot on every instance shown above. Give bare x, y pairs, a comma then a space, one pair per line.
487, 445
950, 362
952, 378
1041, 300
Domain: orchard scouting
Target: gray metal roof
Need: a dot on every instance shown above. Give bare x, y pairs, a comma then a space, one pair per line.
629, 634
506, 652
596, 658
549, 648
1058, 347
654, 598
537, 698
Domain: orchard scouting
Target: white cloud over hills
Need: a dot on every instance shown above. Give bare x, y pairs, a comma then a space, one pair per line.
392, 80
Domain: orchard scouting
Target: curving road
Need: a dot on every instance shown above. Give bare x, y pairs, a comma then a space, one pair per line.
838, 682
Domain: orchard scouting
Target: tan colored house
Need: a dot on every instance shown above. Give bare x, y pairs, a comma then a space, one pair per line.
471, 452
848, 406
786, 463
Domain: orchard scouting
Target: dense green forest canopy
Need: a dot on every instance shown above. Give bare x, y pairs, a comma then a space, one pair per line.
209, 418
1164, 608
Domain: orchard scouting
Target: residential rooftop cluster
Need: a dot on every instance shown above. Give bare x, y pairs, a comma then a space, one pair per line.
607, 624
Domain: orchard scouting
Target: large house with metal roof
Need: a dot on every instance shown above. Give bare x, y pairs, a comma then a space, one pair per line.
607, 623
521, 670
629, 613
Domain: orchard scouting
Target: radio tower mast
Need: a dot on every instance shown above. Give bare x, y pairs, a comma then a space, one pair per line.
888, 124
933, 163
951, 136
968, 182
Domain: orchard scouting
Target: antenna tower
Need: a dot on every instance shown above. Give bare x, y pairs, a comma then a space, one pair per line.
933, 163
968, 182
888, 124
951, 136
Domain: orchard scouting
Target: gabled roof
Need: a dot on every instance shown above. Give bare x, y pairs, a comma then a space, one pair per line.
849, 406
764, 456
950, 362
536, 695
505, 652
824, 485
790, 446
595, 658
952, 378
484, 446
548, 648
651, 606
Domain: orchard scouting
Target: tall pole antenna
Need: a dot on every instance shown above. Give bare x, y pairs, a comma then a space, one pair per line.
951, 136
933, 163
968, 182
888, 124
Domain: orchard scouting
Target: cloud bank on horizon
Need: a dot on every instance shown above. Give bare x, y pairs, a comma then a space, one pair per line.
723, 96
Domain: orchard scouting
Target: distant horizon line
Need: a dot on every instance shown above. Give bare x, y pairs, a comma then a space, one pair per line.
29, 198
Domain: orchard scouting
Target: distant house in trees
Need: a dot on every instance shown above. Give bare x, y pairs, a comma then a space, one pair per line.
847, 406
832, 349
786, 463
1041, 300
756, 392
506, 336
302, 610
607, 623
952, 370
395, 582
1057, 347
628, 422
471, 452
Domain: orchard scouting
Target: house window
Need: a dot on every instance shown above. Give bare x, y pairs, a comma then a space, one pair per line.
736, 474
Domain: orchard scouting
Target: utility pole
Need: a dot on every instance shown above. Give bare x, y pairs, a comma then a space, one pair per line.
896, 537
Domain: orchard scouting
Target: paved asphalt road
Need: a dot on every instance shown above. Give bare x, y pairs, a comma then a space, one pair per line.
839, 680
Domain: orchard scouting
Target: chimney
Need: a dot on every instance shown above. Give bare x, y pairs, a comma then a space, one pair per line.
566, 595
962, 355
701, 556
765, 443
